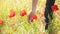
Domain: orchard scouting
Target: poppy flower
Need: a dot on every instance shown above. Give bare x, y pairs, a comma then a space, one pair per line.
42, 14
1, 21
23, 12
34, 17
12, 13
54, 7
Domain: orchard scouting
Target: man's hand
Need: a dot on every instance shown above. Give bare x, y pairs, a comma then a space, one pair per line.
30, 17
34, 3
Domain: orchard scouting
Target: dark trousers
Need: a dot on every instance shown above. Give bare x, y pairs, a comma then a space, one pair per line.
48, 12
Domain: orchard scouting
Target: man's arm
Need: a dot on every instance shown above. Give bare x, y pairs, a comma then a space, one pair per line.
34, 3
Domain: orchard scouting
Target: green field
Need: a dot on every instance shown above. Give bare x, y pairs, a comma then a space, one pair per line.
19, 24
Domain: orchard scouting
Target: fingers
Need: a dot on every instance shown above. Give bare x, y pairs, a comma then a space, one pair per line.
30, 17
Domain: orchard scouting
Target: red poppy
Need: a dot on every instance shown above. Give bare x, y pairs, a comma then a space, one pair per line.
42, 14
12, 13
34, 17
54, 7
1, 21
23, 12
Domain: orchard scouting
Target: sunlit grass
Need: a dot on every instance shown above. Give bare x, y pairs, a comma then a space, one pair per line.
21, 24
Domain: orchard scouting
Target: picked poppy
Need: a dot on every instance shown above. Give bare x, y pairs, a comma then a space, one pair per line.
34, 17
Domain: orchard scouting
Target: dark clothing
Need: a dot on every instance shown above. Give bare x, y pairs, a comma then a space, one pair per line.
48, 12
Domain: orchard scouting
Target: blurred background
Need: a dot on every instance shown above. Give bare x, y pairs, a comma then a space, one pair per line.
14, 14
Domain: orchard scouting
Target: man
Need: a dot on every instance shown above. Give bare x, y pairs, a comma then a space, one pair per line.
48, 11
